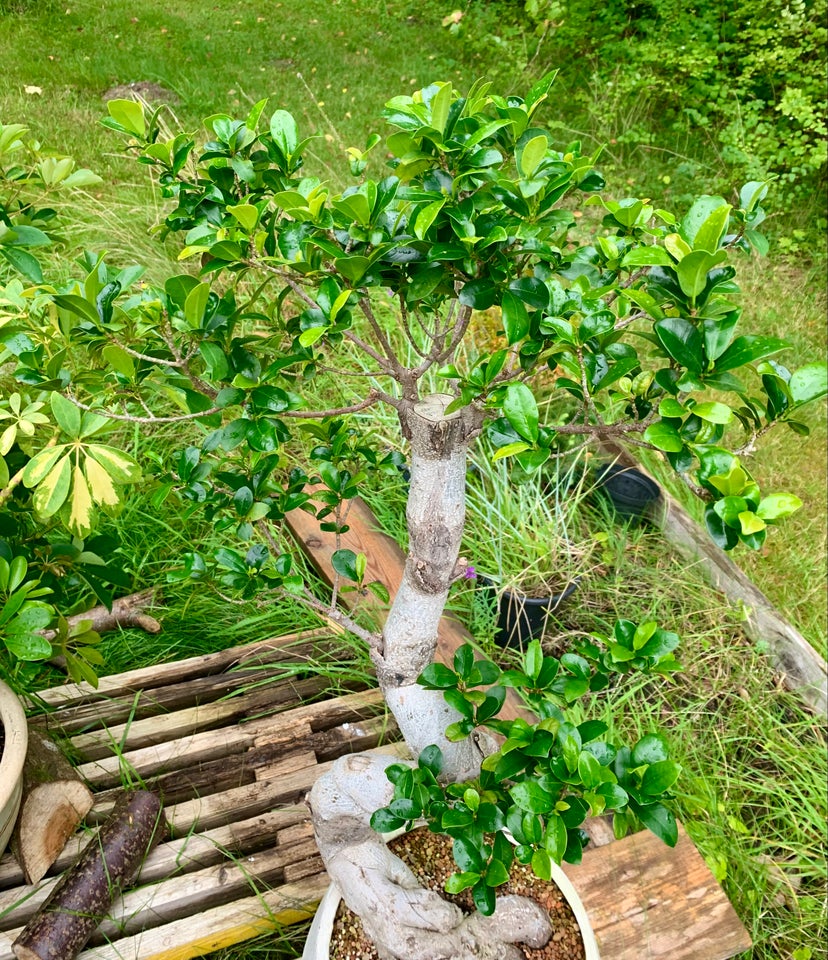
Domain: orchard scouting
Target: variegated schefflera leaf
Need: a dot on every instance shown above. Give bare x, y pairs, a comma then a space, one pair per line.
74, 478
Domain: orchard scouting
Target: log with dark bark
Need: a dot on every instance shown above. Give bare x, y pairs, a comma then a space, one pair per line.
81, 900
55, 800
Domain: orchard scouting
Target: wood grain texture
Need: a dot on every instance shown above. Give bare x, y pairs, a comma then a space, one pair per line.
649, 902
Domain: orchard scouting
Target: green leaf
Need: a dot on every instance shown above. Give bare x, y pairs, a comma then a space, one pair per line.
66, 414
246, 214
664, 436
648, 256
555, 837
692, 226
283, 131
196, 304
657, 818
777, 506
532, 291
531, 797
532, 155
749, 349
119, 465
713, 412
458, 882
120, 361
23, 262
750, 523
542, 865
515, 318
692, 270
426, 216
659, 776
467, 856
40, 465
478, 294
682, 342
344, 563
130, 115
521, 410
709, 234
650, 749
440, 106
809, 383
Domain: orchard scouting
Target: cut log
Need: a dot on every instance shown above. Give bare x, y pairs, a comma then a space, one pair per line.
84, 895
126, 612
55, 800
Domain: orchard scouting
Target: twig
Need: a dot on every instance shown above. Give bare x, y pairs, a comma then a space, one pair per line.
129, 418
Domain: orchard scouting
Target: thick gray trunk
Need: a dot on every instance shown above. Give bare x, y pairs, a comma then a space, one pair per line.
404, 920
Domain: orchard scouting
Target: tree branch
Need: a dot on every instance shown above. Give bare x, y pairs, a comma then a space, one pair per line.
129, 418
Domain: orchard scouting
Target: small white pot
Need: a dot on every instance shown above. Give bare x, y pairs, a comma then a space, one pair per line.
11, 763
318, 944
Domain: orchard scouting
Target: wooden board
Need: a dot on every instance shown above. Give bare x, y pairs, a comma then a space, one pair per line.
232, 742
647, 901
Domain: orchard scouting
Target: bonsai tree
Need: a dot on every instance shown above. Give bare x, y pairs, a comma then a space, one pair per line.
625, 312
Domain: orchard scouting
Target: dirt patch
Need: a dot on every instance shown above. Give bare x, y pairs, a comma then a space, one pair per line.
142, 90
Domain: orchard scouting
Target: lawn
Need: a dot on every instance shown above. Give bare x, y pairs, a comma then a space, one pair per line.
753, 796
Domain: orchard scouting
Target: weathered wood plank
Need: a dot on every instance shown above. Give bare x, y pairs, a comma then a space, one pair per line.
193, 851
221, 927
121, 684
265, 694
801, 667
648, 902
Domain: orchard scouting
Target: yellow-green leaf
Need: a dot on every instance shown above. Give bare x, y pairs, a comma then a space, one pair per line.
40, 464
100, 483
119, 466
80, 505
7, 438
196, 304
51, 493
246, 214
750, 523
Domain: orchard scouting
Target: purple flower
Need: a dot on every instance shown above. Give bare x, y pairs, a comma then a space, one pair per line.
470, 573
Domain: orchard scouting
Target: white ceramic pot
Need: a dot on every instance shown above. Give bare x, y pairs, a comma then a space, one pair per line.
317, 946
11, 763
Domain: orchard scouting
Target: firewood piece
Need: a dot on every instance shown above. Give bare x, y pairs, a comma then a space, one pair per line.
55, 800
80, 901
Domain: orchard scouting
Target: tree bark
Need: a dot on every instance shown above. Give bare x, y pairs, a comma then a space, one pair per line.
80, 901
403, 919
55, 800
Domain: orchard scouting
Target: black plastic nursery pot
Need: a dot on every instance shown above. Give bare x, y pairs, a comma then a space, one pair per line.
520, 618
630, 492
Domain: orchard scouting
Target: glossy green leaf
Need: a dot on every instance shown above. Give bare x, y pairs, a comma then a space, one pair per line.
749, 349
682, 341
777, 506
515, 317
521, 410
809, 383
664, 436
693, 269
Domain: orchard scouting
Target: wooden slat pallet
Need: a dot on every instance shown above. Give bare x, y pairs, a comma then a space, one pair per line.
232, 748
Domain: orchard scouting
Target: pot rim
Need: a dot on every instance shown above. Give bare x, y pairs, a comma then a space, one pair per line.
319, 936
16, 738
